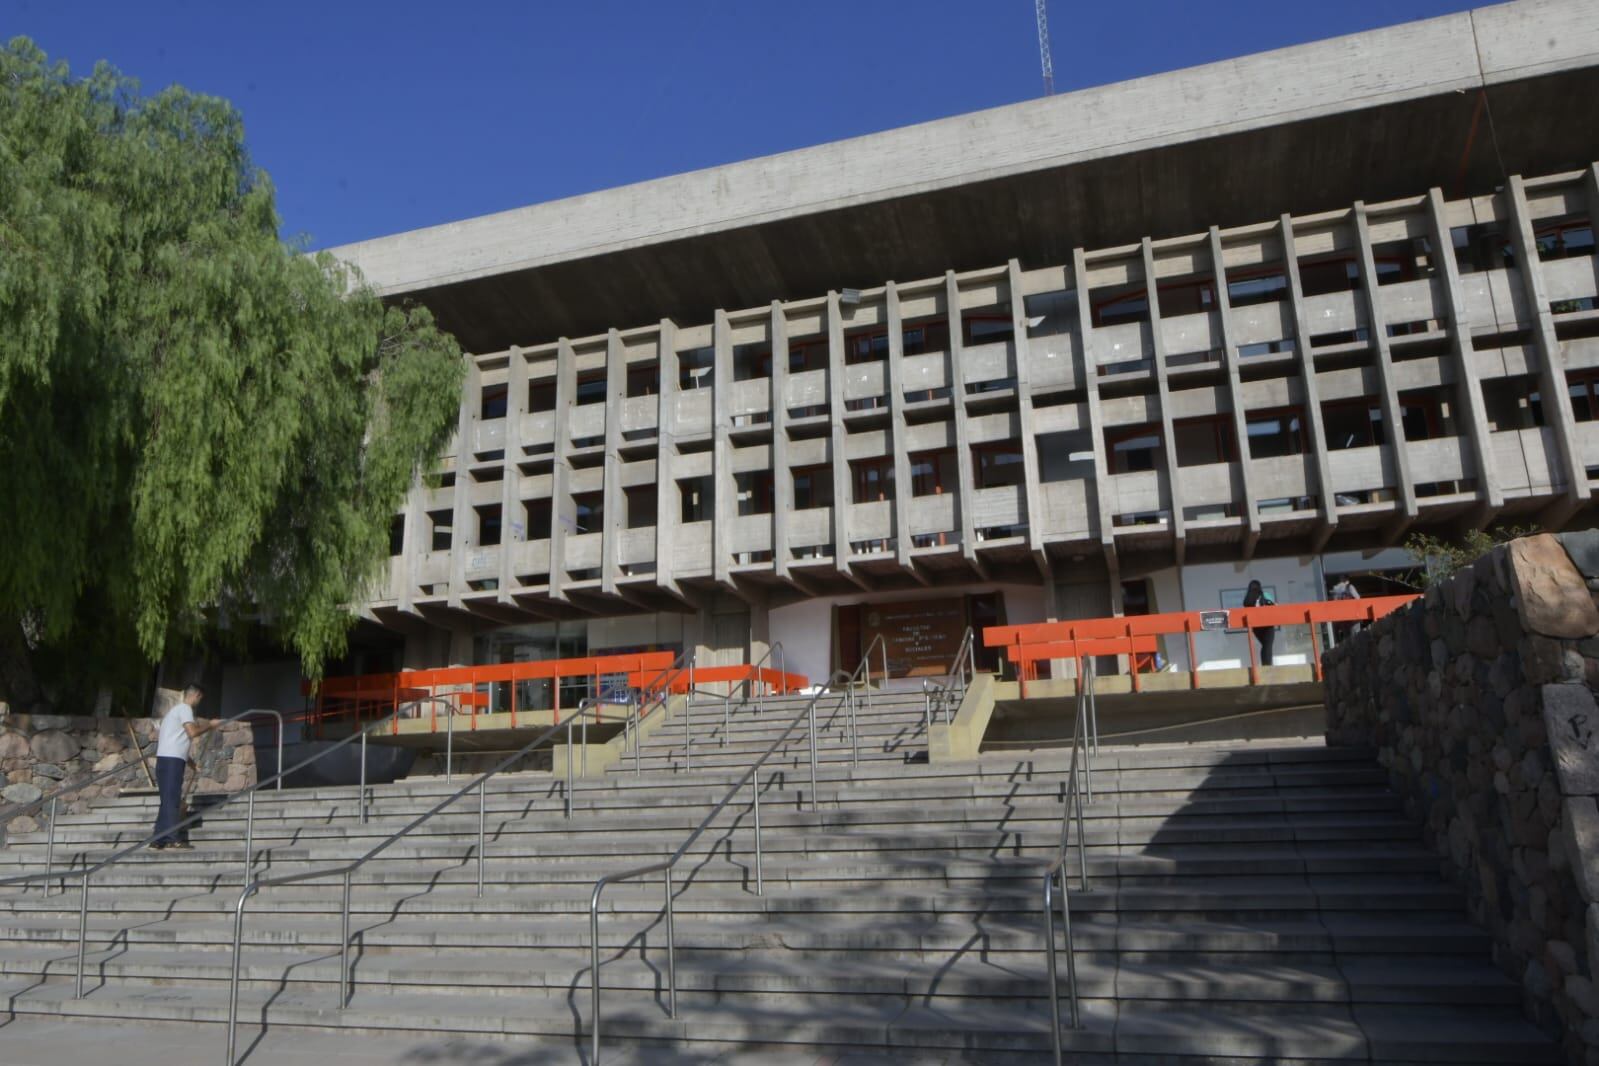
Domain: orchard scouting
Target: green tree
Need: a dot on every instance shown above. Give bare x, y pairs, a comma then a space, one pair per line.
198, 421
1440, 558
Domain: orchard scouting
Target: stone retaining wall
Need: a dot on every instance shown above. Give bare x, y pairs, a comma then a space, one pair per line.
40, 753
1479, 701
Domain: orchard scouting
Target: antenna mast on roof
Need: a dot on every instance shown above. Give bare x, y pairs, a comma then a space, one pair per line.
1040, 6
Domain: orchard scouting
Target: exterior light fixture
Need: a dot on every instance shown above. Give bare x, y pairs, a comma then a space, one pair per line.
849, 296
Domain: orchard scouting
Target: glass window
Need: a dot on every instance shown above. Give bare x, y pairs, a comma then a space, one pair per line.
494, 401
754, 492
1255, 287
1276, 434
1352, 424
443, 528
1134, 450
488, 524
813, 487
591, 388
397, 535
539, 513
995, 465
694, 368
1201, 441
588, 512
872, 479
695, 494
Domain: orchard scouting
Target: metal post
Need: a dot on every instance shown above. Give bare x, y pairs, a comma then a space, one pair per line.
50, 849
1088, 763
812, 714
1071, 948
638, 744
927, 706
727, 715
233, 991
449, 742
671, 959
1082, 848
344, 946
83, 931
482, 809
594, 978
363, 777
688, 713
249, 836
854, 738
755, 805
585, 743
1050, 965
566, 789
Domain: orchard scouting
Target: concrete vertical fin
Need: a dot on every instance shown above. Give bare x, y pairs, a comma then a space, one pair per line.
562, 513
463, 535
1551, 363
666, 516
842, 488
511, 518
1235, 390
957, 400
1391, 413
1490, 494
615, 520
782, 476
894, 377
1022, 347
723, 484
1103, 491
1168, 433
1307, 375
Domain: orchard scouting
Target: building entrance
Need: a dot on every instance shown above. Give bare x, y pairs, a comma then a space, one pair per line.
923, 636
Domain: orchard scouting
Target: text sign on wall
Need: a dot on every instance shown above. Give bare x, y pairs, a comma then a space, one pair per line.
1212, 619
922, 636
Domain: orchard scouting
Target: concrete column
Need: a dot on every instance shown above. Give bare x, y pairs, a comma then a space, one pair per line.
894, 375
835, 406
1551, 365
1168, 432
1235, 390
417, 536
723, 485
782, 478
957, 399
463, 535
1096, 416
760, 631
615, 521
562, 514
1307, 375
1022, 347
511, 516
1391, 412
460, 645
1490, 495
666, 517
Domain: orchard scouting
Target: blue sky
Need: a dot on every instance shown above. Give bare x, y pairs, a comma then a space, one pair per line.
374, 118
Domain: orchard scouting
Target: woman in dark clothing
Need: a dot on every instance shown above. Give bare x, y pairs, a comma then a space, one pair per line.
1255, 596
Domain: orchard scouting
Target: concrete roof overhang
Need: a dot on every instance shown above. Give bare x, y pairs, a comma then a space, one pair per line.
1457, 102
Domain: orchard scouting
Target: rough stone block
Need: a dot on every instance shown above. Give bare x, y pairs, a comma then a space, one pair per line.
1582, 546
1563, 955
55, 746
1571, 719
14, 746
48, 770
1551, 595
111, 760
1580, 824
21, 793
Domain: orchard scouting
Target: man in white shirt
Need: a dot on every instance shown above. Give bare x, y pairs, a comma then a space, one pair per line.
178, 731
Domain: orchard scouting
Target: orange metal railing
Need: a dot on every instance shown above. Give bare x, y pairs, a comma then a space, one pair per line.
467, 690
1135, 635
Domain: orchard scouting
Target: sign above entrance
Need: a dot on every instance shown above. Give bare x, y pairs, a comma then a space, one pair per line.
922, 636
1212, 619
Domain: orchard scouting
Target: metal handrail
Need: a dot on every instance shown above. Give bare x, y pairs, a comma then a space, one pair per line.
1084, 745
858, 678
955, 682
662, 684
586, 710
88, 872
752, 775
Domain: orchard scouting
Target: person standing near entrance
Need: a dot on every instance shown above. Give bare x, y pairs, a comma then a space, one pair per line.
1255, 596
1344, 590
178, 732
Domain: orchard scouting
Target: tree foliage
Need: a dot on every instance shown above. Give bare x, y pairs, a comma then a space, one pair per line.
1442, 557
197, 420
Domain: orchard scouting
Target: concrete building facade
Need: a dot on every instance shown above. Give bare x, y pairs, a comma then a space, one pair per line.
1112, 351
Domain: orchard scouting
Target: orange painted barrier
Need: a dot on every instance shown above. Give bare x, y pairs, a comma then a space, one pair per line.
456, 688
1134, 635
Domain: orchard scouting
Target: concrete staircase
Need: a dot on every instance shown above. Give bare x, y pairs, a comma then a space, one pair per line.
1248, 904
